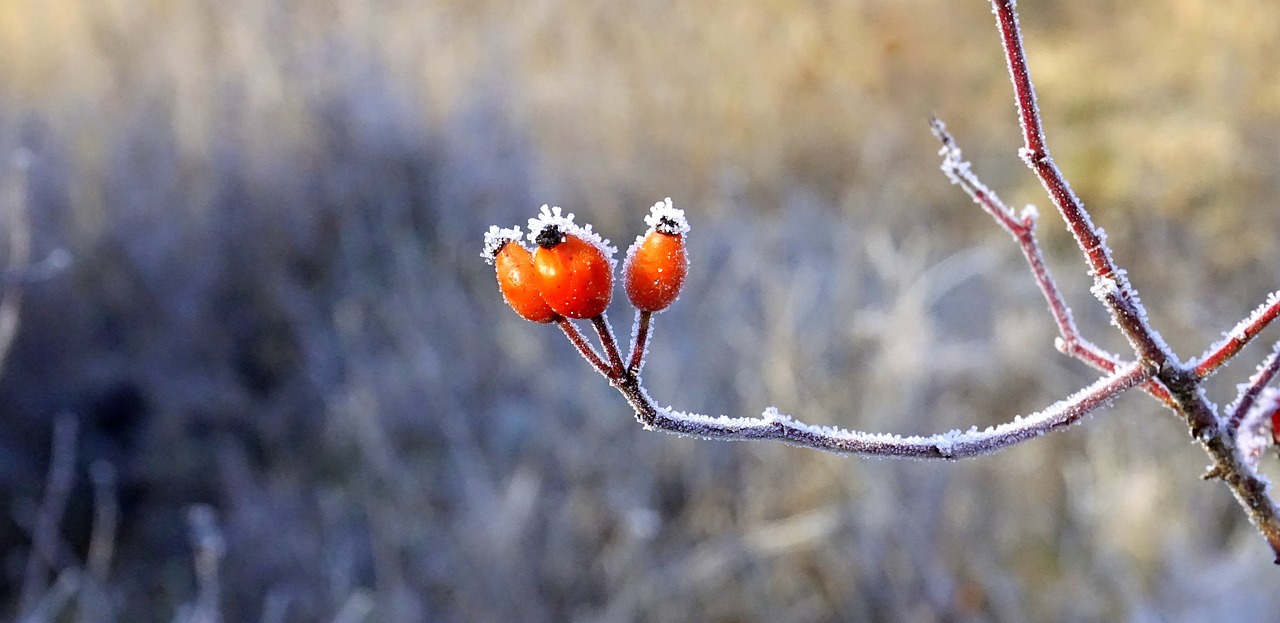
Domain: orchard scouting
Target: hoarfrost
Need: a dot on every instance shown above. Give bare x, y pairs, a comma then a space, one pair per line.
552, 216
667, 219
496, 237
1104, 288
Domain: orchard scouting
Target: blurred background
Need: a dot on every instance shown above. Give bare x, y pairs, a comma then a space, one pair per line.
289, 389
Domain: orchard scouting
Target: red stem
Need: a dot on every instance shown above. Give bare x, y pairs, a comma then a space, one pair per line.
1244, 333
584, 348
640, 342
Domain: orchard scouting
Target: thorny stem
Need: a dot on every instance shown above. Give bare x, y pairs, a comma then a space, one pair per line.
640, 341
1113, 289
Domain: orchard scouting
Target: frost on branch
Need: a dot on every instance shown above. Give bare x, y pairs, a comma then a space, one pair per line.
954, 444
1233, 447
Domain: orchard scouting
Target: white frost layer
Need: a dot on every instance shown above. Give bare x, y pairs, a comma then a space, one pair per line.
550, 216
496, 237
951, 444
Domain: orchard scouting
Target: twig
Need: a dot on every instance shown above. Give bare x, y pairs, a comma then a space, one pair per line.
610, 344
1023, 229
106, 513
584, 348
948, 446
1238, 337
1112, 287
640, 341
13, 202
1250, 391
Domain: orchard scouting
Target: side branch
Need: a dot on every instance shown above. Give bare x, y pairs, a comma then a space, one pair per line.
1238, 337
1023, 229
947, 446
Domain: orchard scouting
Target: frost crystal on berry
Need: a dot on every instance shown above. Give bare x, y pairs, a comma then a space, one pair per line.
496, 237
667, 219
553, 216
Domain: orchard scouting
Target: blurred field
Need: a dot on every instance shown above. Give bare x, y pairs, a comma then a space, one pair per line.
277, 306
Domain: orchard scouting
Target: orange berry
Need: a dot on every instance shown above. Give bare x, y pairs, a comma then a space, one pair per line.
516, 276
657, 263
572, 266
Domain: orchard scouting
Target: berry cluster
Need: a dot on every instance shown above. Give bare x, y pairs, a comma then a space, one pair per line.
568, 274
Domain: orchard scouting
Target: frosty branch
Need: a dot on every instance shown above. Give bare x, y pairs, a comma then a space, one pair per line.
570, 276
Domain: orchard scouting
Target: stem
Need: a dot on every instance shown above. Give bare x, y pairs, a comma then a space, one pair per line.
1118, 295
1244, 402
610, 344
584, 348
1241, 335
639, 342
1113, 289
946, 446
1023, 230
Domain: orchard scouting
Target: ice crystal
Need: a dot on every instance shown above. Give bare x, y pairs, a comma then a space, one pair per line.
667, 219
553, 216
496, 237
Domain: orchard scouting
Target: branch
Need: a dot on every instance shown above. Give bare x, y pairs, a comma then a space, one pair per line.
1114, 289
44, 534
1243, 333
1249, 392
13, 202
948, 446
1023, 230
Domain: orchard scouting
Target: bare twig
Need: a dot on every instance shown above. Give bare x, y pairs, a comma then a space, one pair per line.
610, 344
1239, 337
1112, 287
106, 513
584, 348
1023, 229
640, 341
93, 604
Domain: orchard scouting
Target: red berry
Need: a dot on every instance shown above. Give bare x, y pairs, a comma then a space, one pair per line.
516, 275
572, 265
657, 263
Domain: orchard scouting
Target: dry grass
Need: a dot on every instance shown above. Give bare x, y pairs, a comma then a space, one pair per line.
278, 307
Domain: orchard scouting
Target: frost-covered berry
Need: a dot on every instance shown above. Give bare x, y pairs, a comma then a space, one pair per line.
573, 267
657, 263
514, 264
